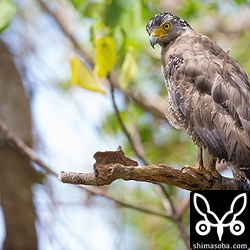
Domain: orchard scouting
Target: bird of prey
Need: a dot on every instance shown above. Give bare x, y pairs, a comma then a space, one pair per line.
208, 94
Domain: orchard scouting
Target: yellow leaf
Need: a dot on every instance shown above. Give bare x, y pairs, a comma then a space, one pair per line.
83, 77
105, 56
129, 69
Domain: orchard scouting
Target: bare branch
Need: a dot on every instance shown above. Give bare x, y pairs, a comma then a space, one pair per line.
156, 105
183, 206
183, 232
107, 172
16, 141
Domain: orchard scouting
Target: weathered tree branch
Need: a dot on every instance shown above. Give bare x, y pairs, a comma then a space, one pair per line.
113, 165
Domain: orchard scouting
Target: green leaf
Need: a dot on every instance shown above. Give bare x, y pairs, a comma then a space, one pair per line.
7, 11
114, 11
83, 77
129, 68
105, 56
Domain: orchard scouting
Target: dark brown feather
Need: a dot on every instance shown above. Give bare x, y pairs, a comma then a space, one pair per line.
213, 104
209, 93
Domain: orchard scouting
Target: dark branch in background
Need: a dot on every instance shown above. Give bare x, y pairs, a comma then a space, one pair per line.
123, 127
17, 142
156, 106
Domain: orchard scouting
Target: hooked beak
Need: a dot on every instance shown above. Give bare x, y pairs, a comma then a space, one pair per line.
153, 41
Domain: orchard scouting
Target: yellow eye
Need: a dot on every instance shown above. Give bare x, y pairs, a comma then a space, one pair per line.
166, 26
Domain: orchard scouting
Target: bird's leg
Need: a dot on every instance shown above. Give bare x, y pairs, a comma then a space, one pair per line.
212, 169
199, 170
199, 162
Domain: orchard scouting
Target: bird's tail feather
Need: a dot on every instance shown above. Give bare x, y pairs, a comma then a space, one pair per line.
241, 176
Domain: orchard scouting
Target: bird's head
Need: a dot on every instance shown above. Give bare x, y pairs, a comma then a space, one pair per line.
165, 27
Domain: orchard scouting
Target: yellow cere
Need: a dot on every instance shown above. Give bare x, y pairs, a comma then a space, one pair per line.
162, 30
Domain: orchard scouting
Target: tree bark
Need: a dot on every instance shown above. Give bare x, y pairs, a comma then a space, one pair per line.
114, 165
17, 174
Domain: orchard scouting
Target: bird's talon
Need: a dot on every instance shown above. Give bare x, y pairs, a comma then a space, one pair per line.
198, 172
185, 168
212, 169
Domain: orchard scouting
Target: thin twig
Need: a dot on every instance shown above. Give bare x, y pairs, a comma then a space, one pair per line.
16, 141
134, 130
175, 215
183, 206
56, 15
97, 191
182, 231
124, 129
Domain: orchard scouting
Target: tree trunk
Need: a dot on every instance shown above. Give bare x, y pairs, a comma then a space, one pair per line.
16, 172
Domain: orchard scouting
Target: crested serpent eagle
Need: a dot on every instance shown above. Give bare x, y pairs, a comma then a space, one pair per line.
208, 94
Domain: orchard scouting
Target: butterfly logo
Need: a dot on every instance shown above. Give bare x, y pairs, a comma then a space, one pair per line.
210, 219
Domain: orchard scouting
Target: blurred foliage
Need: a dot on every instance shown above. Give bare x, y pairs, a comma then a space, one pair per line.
128, 70
7, 11
105, 56
83, 77
139, 69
